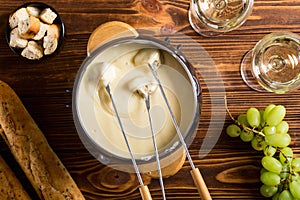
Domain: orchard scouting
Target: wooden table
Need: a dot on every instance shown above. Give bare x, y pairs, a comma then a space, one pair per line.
230, 169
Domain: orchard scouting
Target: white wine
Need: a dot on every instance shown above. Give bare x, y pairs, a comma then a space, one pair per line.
214, 17
276, 62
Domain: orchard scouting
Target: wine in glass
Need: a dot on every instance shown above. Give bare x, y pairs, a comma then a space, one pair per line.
273, 64
214, 17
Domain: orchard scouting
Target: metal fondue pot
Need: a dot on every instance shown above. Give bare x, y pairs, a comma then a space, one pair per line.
85, 94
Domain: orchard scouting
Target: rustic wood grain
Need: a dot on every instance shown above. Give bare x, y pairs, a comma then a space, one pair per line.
230, 170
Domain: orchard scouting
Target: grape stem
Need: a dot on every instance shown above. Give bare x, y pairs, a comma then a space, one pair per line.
244, 127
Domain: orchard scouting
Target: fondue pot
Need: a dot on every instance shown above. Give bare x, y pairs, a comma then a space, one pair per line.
97, 124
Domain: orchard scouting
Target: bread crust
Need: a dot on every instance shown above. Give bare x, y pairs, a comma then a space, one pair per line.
48, 16
17, 16
29, 28
50, 44
53, 30
43, 29
16, 41
33, 51
33, 11
44, 170
10, 187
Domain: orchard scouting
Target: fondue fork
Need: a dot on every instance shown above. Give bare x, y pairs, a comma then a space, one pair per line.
107, 73
196, 175
145, 91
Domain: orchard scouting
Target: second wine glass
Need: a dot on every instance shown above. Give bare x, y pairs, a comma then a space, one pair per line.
214, 17
273, 64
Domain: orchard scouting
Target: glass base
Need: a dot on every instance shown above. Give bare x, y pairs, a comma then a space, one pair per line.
200, 27
247, 75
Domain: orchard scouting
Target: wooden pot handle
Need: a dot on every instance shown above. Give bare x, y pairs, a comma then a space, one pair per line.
145, 193
201, 186
109, 31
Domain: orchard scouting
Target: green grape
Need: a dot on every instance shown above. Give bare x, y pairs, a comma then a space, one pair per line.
278, 140
267, 110
268, 191
295, 177
282, 127
257, 144
276, 196
263, 170
271, 164
253, 117
286, 155
246, 137
242, 118
285, 172
270, 178
269, 150
275, 116
285, 195
280, 177
296, 164
295, 189
269, 130
233, 130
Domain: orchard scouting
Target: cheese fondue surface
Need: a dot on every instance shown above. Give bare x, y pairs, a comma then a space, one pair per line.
98, 116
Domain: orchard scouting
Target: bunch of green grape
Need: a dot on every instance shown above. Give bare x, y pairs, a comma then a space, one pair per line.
267, 131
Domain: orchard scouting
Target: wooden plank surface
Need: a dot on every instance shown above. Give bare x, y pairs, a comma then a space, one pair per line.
231, 169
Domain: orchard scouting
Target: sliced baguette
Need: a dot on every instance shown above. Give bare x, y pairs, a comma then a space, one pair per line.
53, 30
31, 150
43, 29
20, 15
48, 16
33, 11
29, 27
16, 41
49, 44
33, 51
10, 186
51, 40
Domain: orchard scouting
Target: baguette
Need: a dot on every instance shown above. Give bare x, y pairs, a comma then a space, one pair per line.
42, 31
50, 44
10, 187
48, 16
44, 170
20, 15
16, 41
53, 30
51, 39
33, 51
33, 11
29, 27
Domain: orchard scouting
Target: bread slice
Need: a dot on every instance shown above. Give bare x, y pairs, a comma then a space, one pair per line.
43, 168
48, 16
33, 11
33, 51
54, 30
19, 15
16, 41
43, 29
29, 27
51, 40
49, 44
10, 187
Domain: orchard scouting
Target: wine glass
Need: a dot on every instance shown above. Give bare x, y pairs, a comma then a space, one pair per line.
273, 64
214, 17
